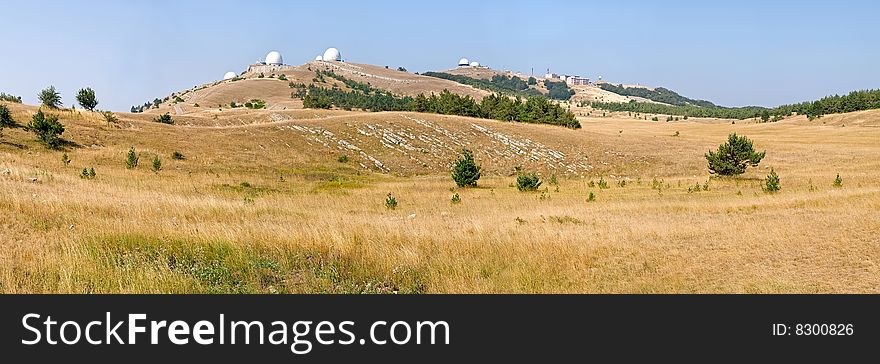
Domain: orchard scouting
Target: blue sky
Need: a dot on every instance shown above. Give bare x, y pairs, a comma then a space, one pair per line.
733, 53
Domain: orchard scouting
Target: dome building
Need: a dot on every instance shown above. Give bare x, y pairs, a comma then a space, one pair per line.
475, 64
332, 54
274, 59
463, 62
319, 58
229, 76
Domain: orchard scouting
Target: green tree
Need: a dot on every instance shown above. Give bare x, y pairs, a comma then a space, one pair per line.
765, 116
131, 159
86, 98
733, 157
157, 164
50, 98
164, 119
771, 183
532, 81
466, 171
47, 128
838, 182
5, 117
528, 182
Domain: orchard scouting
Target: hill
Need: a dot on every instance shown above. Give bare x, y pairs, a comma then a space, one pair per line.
261, 201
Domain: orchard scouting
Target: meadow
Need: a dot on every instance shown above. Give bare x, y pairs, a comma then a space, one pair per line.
237, 216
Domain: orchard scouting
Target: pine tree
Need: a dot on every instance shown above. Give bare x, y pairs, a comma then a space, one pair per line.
466, 171
732, 158
86, 98
771, 184
50, 98
131, 160
157, 164
47, 128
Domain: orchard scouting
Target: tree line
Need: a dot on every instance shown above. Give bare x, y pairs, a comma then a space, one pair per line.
496, 106
658, 94
854, 101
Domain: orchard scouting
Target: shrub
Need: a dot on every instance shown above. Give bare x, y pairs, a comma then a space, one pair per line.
838, 182
131, 159
528, 182
47, 128
456, 198
164, 119
50, 98
591, 197
390, 202
532, 81
177, 156
602, 183
282, 77
342, 158
733, 157
65, 159
552, 180
621, 183
771, 183
676, 133
157, 164
110, 117
255, 104
5, 117
466, 171
86, 98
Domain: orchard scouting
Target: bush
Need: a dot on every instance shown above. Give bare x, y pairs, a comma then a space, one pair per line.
838, 182
282, 77
591, 197
65, 159
456, 198
532, 81
47, 128
732, 158
771, 184
528, 182
86, 98
50, 98
110, 117
177, 156
466, 171
164, 119
5, 117
342, 158
255, 104
603, 184
390, 202
131, 159
157, 164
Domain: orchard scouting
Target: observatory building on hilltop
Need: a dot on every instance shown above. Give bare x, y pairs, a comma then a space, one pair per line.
332, 55
319, 58
272, 63
464, 62
229, 76
274, 59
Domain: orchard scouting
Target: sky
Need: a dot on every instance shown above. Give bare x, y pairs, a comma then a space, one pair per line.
733, 53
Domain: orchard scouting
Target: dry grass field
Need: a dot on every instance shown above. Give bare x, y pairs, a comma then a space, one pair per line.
262, 204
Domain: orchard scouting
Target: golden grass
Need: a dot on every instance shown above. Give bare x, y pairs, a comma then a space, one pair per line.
307, 223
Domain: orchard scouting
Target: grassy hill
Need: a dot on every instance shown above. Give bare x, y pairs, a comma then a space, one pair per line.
262, 202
